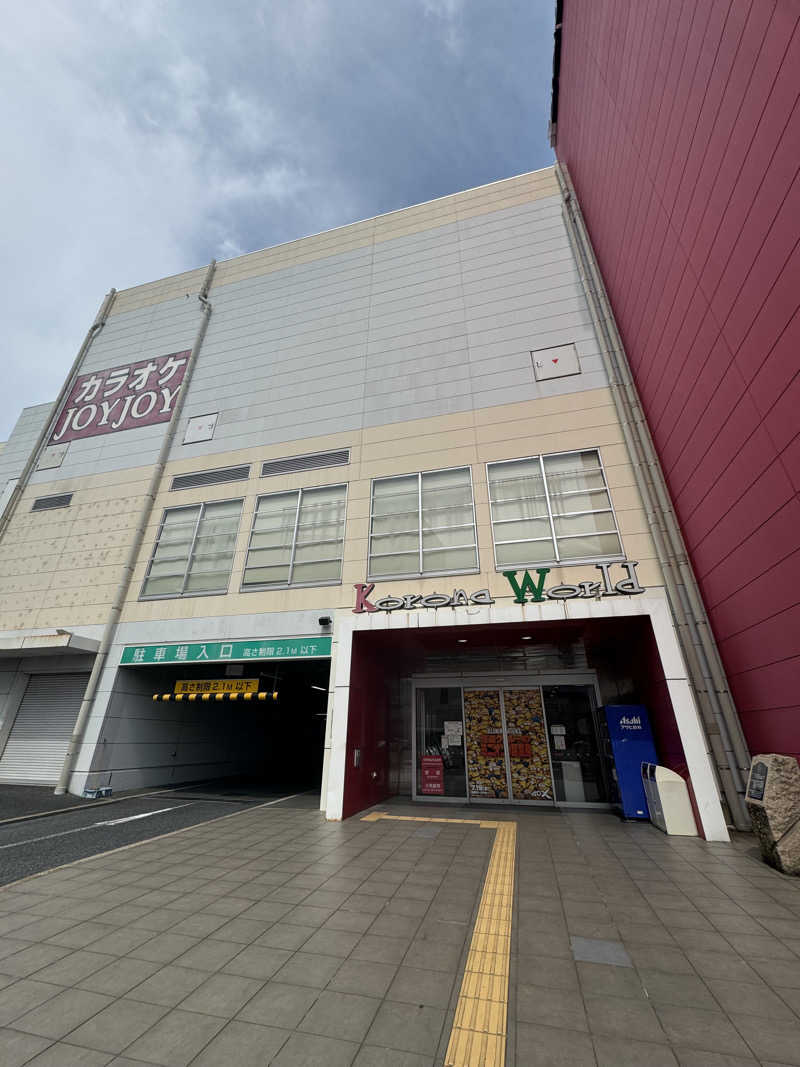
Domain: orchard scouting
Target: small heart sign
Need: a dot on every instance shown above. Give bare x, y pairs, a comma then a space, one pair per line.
555, 360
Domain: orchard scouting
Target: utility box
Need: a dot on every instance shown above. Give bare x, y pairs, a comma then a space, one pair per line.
773, 800
631, 745
668, 799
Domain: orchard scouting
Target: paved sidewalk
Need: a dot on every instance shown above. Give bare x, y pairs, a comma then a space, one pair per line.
274, 937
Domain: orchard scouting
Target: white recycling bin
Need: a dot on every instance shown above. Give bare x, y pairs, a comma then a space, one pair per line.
668, 800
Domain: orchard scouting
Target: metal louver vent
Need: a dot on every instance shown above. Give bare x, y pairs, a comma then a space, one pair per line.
309, 462
217, 477
47, 503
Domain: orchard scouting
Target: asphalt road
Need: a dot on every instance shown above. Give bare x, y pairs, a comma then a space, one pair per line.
34, 845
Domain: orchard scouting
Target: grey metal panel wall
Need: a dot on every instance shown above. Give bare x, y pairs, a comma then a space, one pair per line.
23, 437
434, 322
157, 743
284, 357
127, 338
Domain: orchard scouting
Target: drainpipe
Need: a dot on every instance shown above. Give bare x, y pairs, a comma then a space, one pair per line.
721, 721
47, 429
133, 553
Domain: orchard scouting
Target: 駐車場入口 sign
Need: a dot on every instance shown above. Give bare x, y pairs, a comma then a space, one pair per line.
224, 651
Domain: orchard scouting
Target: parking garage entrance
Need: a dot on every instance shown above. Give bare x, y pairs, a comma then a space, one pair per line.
247, 712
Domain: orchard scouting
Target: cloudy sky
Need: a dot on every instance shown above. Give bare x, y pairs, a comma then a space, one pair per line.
144, 139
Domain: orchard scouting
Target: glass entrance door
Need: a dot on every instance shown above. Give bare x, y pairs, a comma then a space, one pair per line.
526, 737
578, 770
439, 741
518, 744
507, 757
487, 761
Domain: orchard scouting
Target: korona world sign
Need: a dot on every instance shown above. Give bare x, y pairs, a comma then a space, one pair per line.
526, 590
136, 394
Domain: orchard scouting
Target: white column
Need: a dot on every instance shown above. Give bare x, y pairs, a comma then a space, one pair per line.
687, 719
336, 756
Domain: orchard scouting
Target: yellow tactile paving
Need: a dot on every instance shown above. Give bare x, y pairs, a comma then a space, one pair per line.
478, 1037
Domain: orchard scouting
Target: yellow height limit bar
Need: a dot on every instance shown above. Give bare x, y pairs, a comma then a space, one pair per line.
478, 1037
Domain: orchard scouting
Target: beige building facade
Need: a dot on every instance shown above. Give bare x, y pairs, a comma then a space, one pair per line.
376, 477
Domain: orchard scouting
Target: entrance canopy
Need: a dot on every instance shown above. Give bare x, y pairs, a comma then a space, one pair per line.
625, 652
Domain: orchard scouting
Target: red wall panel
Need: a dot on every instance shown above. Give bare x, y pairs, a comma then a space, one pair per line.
758, 600
768, 382
724, 534
680, 125
367, 730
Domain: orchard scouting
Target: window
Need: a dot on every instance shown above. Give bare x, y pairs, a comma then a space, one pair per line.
297, 538
194, 550
423, 524
551, 509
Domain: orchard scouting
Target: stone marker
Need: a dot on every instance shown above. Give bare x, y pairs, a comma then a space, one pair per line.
773, 800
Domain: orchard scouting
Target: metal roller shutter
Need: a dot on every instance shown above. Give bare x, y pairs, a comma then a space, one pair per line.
39, 737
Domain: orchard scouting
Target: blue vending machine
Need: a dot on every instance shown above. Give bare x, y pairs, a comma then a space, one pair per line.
632, 745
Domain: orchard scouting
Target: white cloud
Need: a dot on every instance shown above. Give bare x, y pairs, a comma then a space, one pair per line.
107, 189
142, 140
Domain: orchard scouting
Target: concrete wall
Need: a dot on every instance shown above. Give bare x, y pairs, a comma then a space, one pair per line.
60, 568
510, 431
680, 129
143, 742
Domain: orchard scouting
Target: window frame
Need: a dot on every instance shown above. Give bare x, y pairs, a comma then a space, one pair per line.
183, 594
255, 587
395, 575
557, 561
